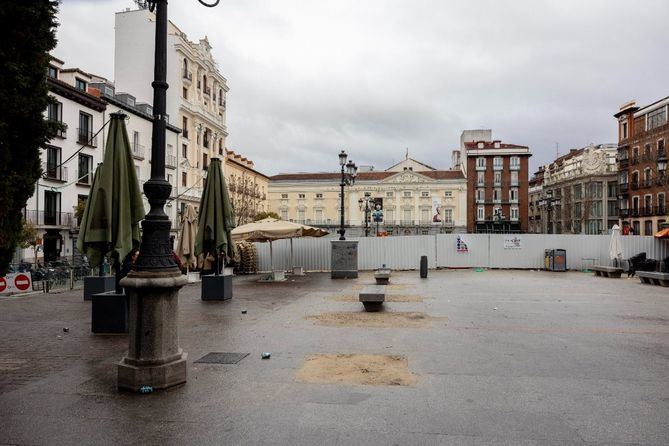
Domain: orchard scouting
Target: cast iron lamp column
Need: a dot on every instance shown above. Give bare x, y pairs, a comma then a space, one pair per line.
348, 174
154, 357
365, 204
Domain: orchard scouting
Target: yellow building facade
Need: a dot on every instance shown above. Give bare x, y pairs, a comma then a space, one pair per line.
415, 199
248, 187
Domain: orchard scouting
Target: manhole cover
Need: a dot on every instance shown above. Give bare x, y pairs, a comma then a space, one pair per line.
222, 358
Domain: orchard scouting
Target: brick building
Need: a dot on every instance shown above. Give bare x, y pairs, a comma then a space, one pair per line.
643, 133
497, 186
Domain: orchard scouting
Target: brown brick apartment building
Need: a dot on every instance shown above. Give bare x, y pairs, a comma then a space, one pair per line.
497, 184
643, 134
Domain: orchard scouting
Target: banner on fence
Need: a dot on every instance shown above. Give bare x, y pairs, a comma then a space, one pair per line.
512, 242
460, 245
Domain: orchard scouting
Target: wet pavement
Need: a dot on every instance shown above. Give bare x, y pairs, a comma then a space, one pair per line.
507, 358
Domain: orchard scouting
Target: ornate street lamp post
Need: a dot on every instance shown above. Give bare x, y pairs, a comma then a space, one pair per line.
366, 205
548, 202
348, 173
154, 357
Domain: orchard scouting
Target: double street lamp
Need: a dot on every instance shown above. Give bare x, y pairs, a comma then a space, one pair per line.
367, 205
348, 173
548, 203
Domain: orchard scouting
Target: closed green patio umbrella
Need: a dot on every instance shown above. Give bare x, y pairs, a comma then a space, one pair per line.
216, 215
110, 223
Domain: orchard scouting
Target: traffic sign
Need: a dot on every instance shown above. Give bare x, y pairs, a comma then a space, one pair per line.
3, 284
22, 282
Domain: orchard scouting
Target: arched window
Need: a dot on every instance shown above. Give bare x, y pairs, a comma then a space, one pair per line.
185, 67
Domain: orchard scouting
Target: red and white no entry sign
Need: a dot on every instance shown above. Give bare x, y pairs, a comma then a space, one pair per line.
22, 282
3, 284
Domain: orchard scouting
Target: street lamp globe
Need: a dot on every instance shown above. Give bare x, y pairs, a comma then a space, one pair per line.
350, 167
342, 158
662, 163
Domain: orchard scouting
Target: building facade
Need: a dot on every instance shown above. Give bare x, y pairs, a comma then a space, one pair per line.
643, 133
497, 186
415, 199
535, 187
247, 187
580, 192
196, 98
68, 162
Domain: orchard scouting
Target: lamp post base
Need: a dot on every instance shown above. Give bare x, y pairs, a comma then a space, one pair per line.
154, 358
344, 260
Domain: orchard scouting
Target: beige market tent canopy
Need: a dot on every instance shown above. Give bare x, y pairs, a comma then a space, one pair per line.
270, 229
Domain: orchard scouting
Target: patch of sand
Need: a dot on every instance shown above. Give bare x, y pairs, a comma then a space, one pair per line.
391, 286
382, 319
370, 370
389, 298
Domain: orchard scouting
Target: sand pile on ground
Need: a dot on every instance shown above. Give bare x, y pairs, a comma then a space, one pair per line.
375, 370
382, 319
389, 298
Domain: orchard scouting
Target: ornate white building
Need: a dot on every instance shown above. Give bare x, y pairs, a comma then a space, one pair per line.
196, 98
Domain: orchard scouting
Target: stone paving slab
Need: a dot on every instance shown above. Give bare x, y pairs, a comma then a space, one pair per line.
512, 358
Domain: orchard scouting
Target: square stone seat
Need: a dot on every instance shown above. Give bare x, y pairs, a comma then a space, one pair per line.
382, 276
372, 297
653, 278
607, 271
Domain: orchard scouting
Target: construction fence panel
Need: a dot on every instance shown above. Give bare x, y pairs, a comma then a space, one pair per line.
462, 250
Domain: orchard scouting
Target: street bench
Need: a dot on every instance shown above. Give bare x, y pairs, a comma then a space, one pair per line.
607, 271
372, 297
382, 276
653, 278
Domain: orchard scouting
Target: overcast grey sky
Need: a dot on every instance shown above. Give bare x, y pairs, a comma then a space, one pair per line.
309, 77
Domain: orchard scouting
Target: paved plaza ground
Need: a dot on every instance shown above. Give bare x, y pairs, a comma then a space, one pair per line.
493, 358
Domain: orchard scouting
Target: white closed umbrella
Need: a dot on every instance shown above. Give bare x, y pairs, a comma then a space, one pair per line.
615, 245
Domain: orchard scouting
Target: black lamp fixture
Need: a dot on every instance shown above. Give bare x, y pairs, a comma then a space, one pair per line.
348, 173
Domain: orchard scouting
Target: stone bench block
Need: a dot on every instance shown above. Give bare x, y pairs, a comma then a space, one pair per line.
607, 271
653, 278
382, 276
372, 297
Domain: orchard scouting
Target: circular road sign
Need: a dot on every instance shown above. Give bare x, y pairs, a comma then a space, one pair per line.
22, 282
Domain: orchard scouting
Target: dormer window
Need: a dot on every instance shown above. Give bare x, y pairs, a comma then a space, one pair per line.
480, 144
80, 84
52, 72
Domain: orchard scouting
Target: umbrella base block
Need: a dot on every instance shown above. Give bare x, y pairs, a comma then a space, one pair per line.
109, 313
344, 259
216, 287
97, 284
158, 376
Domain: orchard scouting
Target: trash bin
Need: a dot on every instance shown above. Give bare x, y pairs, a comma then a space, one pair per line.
555, 259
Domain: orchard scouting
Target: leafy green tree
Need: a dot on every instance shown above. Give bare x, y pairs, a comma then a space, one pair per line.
263, 215
28, 33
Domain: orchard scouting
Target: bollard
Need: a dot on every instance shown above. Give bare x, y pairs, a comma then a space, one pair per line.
423, 267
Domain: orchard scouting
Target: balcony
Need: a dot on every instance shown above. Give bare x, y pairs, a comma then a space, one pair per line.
185, 133
207, 91
634, 212
648, 182
406, 223
646, 211
514, 183
170, 161
480, 168
59, 128
623, 187
623, 213
86, 137
634, 185
84, 178
497, 167
138, 151
634, 161
55, 173
514, 167
660, 210
56, 218
187, 76
623, 163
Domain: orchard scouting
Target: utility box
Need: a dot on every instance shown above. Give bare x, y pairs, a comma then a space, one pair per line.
555, 260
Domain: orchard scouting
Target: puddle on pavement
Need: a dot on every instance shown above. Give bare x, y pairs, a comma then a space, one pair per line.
370, 370
381, 319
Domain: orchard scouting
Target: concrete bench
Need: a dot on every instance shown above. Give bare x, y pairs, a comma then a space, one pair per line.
653, 278
372, 297
607, 271
382, 276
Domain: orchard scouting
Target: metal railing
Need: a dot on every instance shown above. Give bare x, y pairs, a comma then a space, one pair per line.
58, 127
45, 218
87, 137
58, 173
171, 161
137, 151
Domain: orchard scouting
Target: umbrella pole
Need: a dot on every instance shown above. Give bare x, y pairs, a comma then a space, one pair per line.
291, 255
271, 255
118, 275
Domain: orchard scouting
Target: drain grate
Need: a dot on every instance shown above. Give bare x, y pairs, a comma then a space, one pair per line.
222, 358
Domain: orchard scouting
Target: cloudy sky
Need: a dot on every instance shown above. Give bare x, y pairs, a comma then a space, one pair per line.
375, 77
